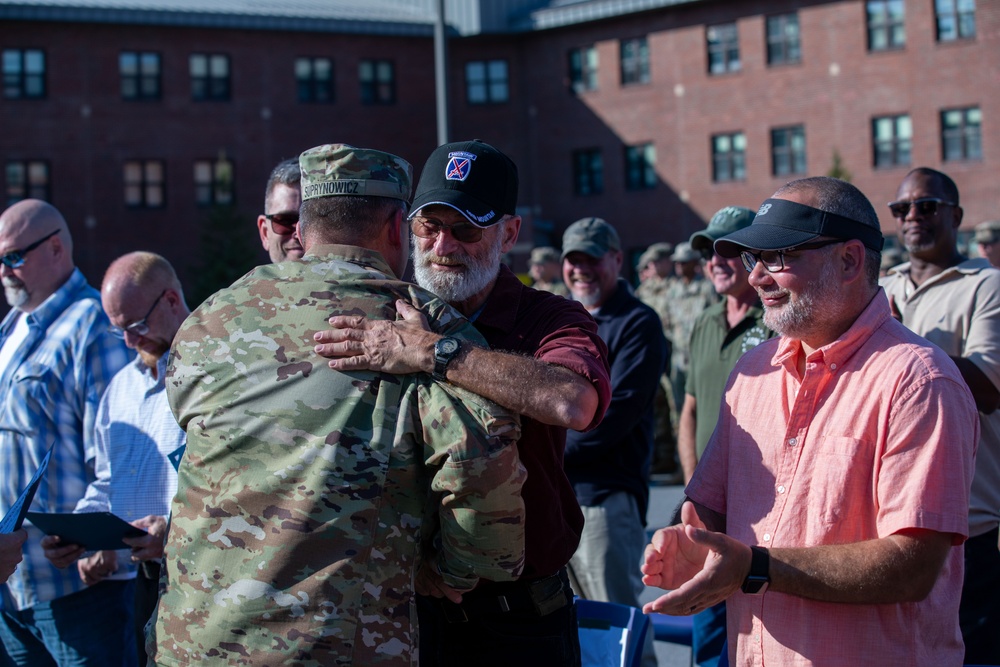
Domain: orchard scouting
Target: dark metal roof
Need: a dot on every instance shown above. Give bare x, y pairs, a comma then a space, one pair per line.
396, 17
379, 17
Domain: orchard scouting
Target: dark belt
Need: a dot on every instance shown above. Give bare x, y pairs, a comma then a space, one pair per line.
539, 597
150, 570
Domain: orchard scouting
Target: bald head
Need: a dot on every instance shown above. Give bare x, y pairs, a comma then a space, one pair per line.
37, 232
142, 296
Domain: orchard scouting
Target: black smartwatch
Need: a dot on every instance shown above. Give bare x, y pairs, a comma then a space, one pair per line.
445, 350
760, 572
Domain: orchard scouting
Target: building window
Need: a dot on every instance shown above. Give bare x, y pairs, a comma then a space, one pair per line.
378, 82
209, 77
635, 61
140, 72
144, 184
729, 157
956, 19
213, 182
885, 25
27, 179
486, 82
892, 138
588, 172
23, 74
314, 79
583, 69
961, 137
783, 47
723, 48
640, 167
788, 150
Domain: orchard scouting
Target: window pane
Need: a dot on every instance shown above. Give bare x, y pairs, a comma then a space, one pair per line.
133, 172
476, 72
220, 66
34, 62
128, 63
366, 70
384, 71
154, 171
199, 66
150, 63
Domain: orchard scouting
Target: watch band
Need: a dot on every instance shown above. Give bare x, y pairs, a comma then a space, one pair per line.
760, 572
445, 350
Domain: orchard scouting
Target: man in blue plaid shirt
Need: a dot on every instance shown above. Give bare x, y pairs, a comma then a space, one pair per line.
56, 357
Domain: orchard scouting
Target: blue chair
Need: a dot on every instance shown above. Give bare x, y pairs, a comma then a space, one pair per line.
611, 635
673, 629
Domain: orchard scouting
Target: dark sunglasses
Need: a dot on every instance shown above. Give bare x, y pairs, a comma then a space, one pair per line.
283, 223
923, 206
15, 258
463, 232
707, 253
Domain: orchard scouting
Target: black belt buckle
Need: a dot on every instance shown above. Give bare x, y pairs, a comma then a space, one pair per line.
453, 613
547, 595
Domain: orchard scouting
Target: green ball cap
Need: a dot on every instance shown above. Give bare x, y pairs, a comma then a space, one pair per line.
334, 170
591, 236
724, 222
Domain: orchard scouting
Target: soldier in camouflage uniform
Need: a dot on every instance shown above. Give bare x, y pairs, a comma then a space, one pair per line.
655, 271
311, 502
688, 297
545, 269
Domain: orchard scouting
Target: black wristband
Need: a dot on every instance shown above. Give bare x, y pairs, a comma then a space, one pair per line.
760, 572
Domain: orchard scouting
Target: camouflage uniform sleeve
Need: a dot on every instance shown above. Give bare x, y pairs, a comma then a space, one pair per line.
478, 476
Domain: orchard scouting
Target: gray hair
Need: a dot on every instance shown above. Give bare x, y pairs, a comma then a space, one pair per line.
286, 173
836, 196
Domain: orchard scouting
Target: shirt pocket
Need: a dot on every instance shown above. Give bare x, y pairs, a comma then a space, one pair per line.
842, 483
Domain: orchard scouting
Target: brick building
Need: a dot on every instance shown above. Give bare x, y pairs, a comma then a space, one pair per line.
137, 118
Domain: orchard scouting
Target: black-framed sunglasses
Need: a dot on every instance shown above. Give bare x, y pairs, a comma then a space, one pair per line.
283, 223
774, 260
15, 258
706, 253
139, 328
923, 206
428, 228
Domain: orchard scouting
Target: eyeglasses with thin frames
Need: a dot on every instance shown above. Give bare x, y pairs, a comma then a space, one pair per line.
139, 328
428, 228
924, 206
283, 223
15, 258
774, 260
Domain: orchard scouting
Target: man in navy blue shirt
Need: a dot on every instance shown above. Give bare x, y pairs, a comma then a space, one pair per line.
608, 466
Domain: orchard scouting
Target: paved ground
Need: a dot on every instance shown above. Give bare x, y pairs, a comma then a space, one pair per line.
662, 501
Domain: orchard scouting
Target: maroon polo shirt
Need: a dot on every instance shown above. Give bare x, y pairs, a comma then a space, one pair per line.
558, 331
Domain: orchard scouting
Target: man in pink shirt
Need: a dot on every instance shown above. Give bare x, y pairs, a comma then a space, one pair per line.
831, 504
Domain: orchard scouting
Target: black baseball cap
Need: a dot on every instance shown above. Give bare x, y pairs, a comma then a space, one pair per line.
471, 177
781, 224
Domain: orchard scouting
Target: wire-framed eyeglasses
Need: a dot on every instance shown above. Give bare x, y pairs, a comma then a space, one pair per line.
139, 328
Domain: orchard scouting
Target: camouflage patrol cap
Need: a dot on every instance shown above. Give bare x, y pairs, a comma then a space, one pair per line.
724, 222
988, 232
685, 253
543, 255
338, 169
591, 236
655, 253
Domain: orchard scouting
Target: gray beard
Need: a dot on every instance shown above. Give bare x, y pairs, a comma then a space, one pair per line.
15, 294
458, 287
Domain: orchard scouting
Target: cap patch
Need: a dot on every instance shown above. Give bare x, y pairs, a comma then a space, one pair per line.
459, 166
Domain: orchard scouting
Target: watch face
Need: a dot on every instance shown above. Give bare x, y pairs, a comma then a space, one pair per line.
447, 346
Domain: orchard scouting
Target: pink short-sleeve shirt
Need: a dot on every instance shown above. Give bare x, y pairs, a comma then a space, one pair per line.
878, 435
